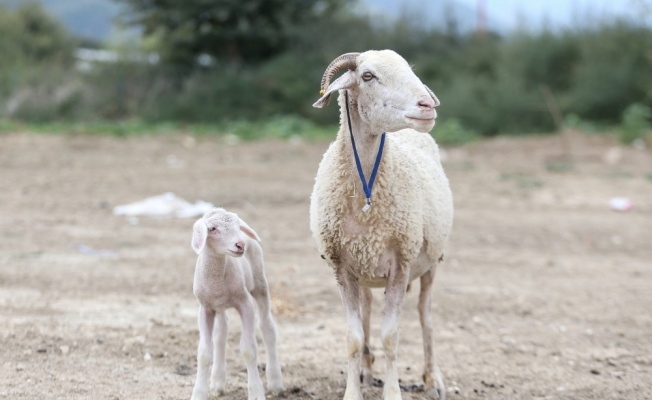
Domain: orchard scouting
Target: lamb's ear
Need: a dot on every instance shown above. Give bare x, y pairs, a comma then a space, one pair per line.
345, 81
432, 94
199, 234
248, 231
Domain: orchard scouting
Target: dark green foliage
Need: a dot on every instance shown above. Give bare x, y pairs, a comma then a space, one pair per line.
233, 31
636, 123
36, 56
267, 58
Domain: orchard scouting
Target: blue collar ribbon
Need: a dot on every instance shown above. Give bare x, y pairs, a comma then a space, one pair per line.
365, 186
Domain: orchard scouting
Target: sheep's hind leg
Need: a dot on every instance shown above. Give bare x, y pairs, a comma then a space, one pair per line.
434, 384
218, 374
349, 290
204, 353
367, 355
394, 295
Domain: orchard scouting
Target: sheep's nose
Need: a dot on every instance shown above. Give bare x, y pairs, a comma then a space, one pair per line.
427, 102
240, 246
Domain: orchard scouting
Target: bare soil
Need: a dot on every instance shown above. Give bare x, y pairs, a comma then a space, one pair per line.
545, 291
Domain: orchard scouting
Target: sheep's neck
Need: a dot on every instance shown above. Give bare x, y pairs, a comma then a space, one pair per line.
367, 142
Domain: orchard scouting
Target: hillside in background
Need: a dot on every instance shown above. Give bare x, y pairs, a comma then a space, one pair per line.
88, 19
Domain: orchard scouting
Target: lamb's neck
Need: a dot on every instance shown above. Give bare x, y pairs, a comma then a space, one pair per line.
213, 265
367, 142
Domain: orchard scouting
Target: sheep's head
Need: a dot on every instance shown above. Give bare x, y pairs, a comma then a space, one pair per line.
222, 232
384, 89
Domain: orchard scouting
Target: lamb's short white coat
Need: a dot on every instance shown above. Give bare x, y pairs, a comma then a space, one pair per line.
403, 235
229, 274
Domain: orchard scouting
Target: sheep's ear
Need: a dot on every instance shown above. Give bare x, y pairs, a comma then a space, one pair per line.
432, 94
248, 231
199, 234
345, 81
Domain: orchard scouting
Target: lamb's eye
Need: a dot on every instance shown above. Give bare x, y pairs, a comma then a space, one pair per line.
367, 76
212, 229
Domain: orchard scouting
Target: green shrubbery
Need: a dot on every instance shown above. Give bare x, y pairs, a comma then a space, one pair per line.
525, 82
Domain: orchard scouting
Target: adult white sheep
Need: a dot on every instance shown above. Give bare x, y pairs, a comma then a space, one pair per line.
400, 233
229, 274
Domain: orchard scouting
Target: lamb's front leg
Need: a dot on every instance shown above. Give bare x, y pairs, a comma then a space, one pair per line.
249, 350
206, 320
218, 373
349, 290
394, 293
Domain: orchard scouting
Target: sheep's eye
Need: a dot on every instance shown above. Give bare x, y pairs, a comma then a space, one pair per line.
212, 229
367, 76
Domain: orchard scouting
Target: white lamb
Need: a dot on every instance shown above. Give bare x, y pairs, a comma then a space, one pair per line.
400, 233
229, 273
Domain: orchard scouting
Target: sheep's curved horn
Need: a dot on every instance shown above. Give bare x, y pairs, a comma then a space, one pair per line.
347, 60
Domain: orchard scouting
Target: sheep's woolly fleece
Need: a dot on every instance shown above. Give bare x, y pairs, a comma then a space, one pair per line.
411, 203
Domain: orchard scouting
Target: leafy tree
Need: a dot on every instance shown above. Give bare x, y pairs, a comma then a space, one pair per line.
238, 31
29, 34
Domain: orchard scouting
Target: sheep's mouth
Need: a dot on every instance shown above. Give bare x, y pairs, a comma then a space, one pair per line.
421, 119
421, 122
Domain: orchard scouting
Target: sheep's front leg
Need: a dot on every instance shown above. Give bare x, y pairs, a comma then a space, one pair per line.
249, 350
367, 356
204, 353
218, 374
394, 293
434, 384
349, 290
268, 331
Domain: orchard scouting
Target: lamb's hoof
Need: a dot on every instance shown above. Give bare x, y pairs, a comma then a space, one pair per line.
275, 387
274, 380
199, 395
256, 393
217, 391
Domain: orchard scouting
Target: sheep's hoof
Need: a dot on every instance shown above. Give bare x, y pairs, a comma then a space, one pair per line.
392, 392
435, 394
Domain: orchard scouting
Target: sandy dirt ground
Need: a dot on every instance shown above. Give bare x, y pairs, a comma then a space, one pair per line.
545, 293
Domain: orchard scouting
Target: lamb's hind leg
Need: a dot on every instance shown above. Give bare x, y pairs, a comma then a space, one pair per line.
434, 384
268, 330
249, 350
394, 294
367, 355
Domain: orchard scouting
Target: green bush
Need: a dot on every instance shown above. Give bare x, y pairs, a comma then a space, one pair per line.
451, 132
635, 123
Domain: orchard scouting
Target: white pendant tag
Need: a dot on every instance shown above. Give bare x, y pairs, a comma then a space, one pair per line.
366, 206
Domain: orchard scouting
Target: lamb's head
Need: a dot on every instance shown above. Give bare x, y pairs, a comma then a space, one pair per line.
221, 231
383, 89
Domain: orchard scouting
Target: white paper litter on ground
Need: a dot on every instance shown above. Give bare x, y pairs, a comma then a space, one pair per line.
164, 205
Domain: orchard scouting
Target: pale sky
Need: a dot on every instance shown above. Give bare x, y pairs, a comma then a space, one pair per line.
559, 13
